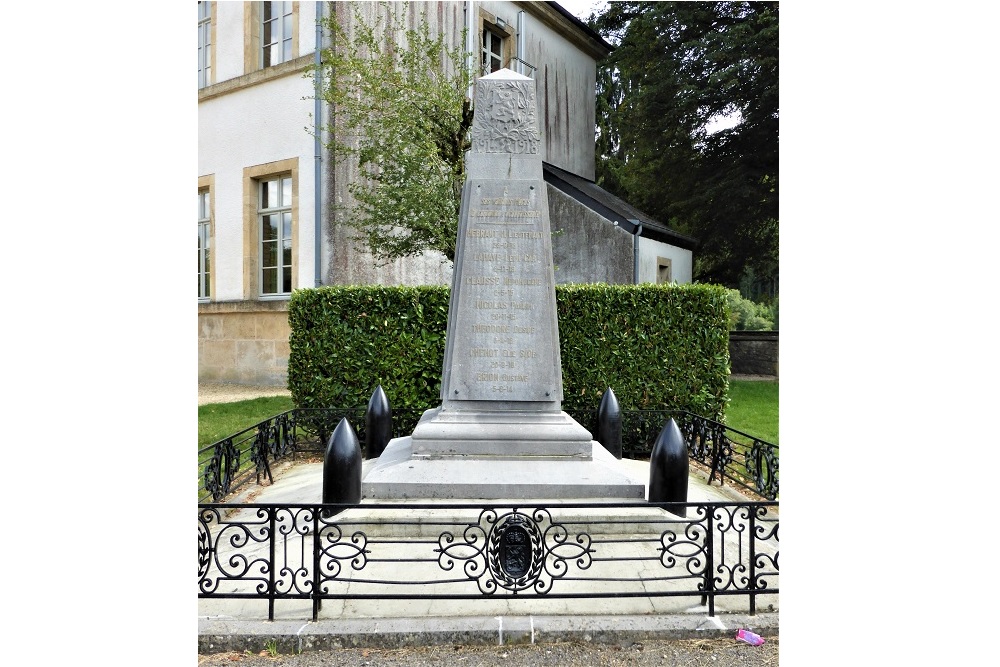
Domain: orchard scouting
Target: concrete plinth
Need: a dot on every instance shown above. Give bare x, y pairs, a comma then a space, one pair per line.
399, 475
442, 433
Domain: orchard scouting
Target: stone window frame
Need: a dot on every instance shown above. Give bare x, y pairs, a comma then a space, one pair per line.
253, 26
206, 52
664, 263
252, 177
488, 21
206, 184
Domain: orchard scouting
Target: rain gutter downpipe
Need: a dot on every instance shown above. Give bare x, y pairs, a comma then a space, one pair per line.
635, 250
470, 45
520, 42
318, 150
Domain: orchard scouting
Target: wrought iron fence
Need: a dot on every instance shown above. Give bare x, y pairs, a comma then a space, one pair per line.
731, 455
744, 460
419, 551
231, 462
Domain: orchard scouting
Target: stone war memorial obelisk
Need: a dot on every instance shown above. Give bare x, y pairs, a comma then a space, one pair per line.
500, 431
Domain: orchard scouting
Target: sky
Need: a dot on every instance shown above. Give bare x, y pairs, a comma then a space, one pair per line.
582, 8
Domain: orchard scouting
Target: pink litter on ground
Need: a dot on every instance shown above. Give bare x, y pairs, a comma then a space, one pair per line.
749, 637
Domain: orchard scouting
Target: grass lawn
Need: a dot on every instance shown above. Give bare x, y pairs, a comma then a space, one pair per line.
753, 408
220, 420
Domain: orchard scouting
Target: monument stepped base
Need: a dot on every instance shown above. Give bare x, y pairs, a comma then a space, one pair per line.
398, 475
470, 433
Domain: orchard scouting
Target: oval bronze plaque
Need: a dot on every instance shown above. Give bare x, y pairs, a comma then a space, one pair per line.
515, 551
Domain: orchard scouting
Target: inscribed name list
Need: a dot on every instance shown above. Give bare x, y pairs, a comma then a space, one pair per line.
504, 340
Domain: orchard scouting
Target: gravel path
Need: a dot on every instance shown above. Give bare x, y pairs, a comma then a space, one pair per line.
229, 393
676, 653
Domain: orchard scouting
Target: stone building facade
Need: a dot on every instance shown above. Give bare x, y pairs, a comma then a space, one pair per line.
266, 184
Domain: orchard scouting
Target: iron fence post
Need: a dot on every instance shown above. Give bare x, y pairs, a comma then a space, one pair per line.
717, 462
293, 439
317, 601
753, 558
710, 559
271, 564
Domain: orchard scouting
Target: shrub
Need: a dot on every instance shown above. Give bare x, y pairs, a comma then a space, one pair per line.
345, 341
745, 315
657, 346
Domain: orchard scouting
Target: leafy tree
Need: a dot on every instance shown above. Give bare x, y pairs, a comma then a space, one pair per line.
399, 109
745, 315
677, 67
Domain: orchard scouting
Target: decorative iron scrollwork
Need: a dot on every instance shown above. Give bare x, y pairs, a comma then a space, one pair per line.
336, 549
688, 549
222, 469
234, 552
696, 433
762, 466
514, 552
260, 450
204, 549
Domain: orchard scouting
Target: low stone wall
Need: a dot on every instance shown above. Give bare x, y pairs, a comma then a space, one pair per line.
753, 353
243, 342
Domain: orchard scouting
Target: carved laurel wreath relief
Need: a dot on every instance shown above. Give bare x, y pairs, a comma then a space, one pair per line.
505, 119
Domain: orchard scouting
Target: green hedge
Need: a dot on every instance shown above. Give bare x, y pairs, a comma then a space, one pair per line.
657, 346
345, 341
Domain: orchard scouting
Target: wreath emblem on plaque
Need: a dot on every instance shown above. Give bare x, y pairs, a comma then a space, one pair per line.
514, 553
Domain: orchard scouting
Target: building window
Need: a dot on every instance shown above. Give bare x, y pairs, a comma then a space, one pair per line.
663, 270
270, 227
492, 51
271, 33
277, 21
496, 42
204, 44
275, 223
204, 245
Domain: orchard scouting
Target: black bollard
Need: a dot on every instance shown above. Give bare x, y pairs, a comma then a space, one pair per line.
668, 469
378, 424
609, 424
342, 467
